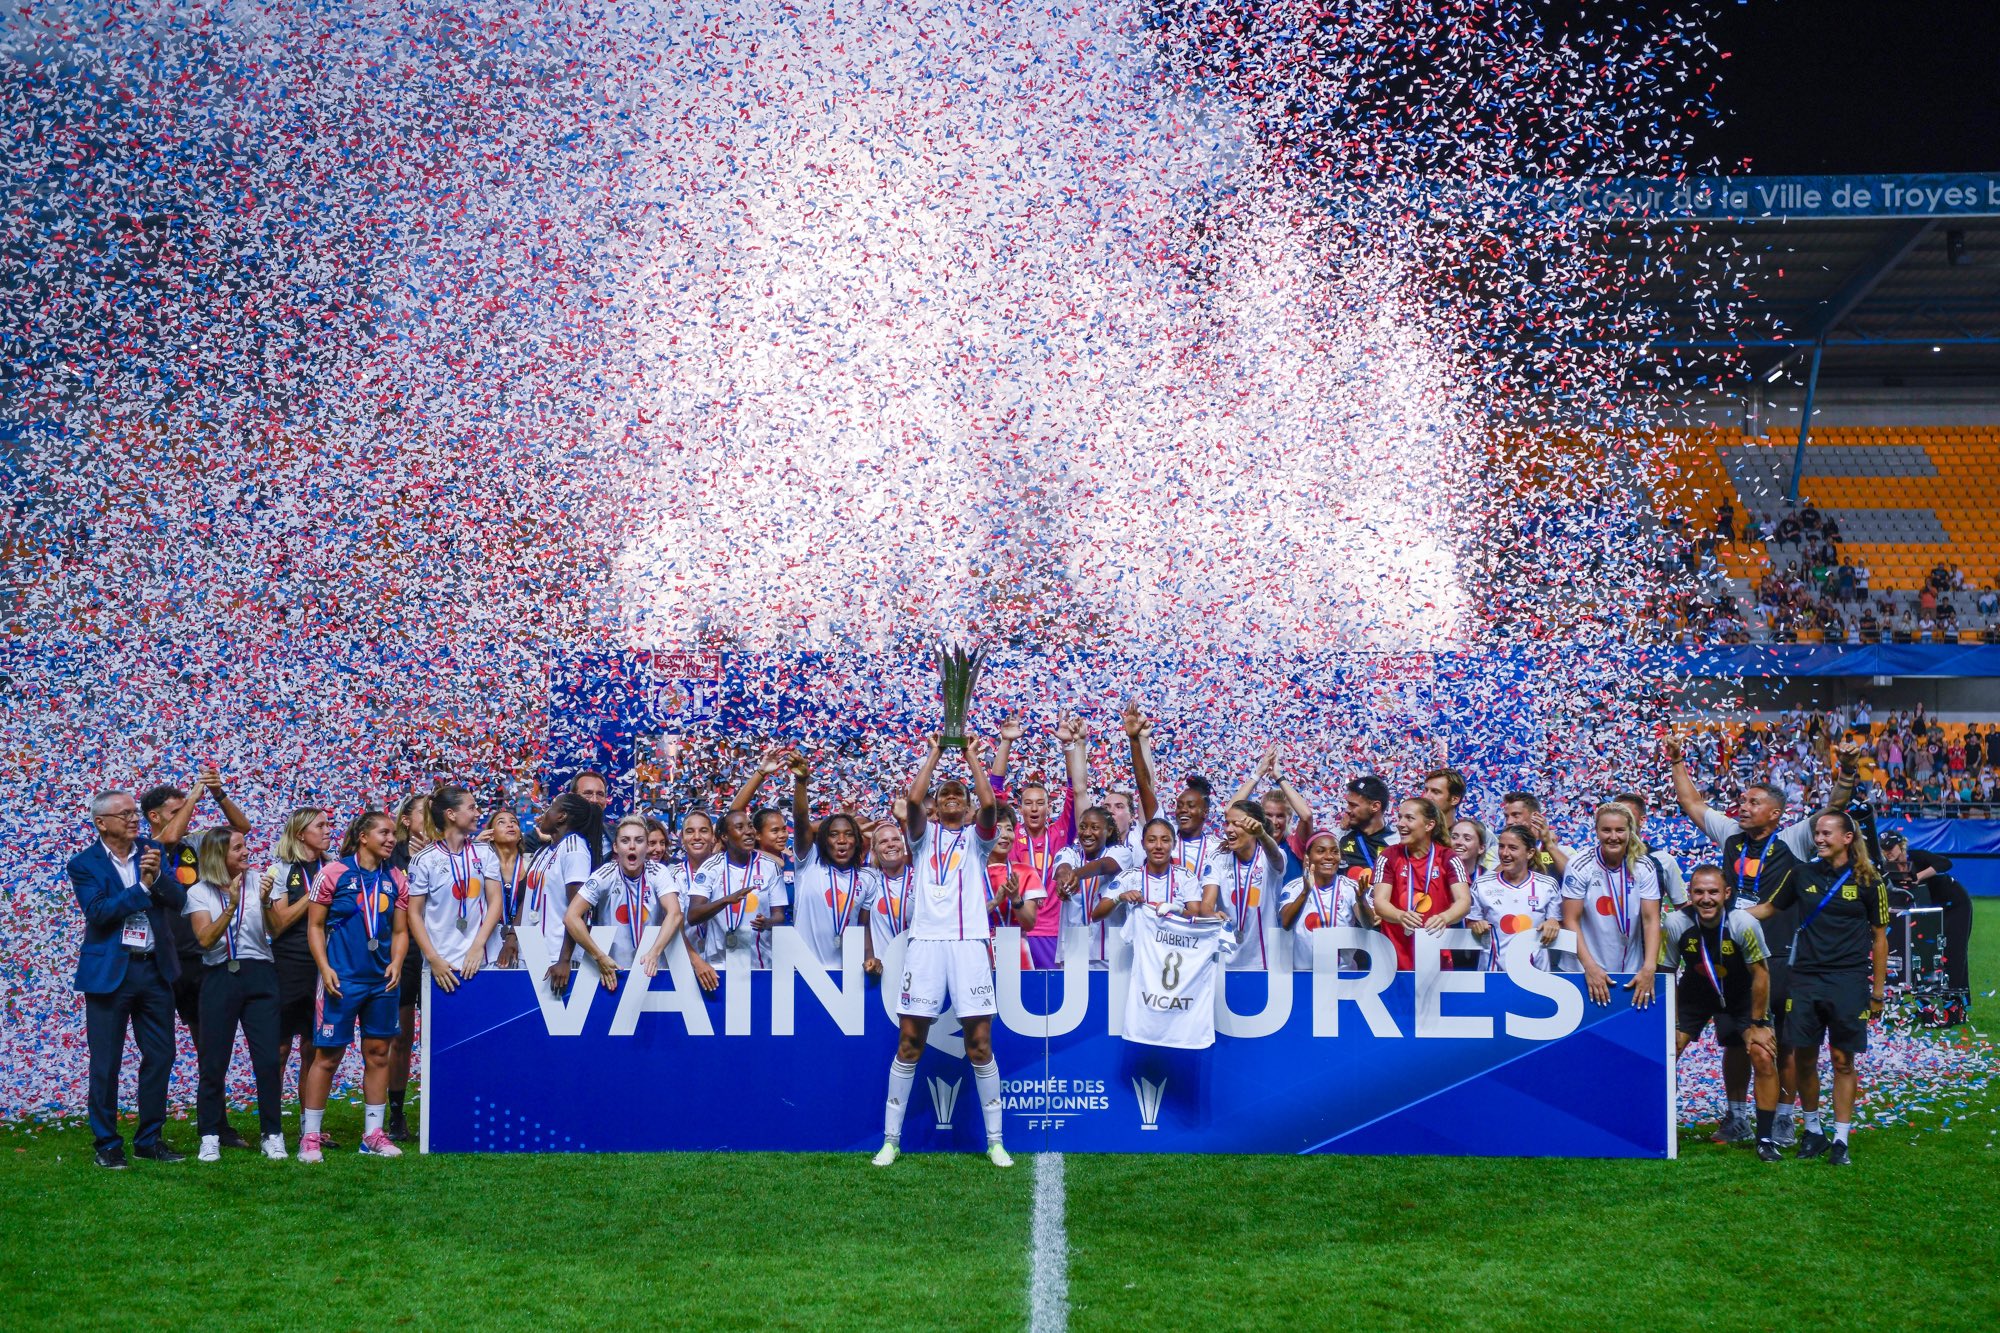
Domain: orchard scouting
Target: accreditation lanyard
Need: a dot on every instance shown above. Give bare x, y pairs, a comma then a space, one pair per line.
635, 904
1366, 849
1763, 859
1618, 885
1820, 906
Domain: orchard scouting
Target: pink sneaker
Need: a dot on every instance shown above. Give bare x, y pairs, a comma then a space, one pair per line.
375, 1143
309, 1147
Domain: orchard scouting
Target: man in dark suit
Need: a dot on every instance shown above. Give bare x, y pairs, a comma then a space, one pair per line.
126, 972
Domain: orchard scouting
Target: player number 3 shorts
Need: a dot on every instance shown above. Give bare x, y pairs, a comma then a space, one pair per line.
933, 969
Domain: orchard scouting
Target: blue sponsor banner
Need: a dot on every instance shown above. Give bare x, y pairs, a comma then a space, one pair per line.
793, 1060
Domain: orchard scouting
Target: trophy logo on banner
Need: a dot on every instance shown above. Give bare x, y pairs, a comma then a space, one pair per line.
944, 1096
1149, 1095
958, 677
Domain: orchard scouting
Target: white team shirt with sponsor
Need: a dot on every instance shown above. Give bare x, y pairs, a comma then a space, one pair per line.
628, 903
546, 888
1612, 923
717, 878
253, 940
826, 900
1247, 892
951, 885
1511, 909
1170, 1000
453, 889
1335, 904
680, 880
1091, 890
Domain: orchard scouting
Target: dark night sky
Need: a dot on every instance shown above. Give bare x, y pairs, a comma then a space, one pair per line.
1830, 86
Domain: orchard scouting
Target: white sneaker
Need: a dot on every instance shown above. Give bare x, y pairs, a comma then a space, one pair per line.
211, 1148
274, 1147
889, 1153
998, 1155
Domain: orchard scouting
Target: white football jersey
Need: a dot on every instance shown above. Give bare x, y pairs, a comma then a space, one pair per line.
1335, 904
1170, 1000
1164, 890
716, 879
895, 899
1247, 894
951, 885
1611, 895
453, 889
552, 875
1512, 908
1090, 891
826, 901
629, 904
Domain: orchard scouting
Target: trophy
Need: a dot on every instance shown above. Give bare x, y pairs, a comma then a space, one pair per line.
958, 676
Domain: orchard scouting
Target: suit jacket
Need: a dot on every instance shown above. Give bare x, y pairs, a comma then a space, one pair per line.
106, 902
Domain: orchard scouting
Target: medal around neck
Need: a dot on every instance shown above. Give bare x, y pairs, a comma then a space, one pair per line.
958, 677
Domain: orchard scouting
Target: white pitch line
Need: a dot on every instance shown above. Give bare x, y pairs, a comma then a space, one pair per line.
1048, 1281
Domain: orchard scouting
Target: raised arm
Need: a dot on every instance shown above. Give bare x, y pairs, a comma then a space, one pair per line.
1249, 787
766, 767
1142, 762
1010, 731
1689, 799
230, 810
982, 788
920, 788
1076, 762
802, 824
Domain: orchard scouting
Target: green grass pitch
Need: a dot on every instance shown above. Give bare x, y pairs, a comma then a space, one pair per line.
1909, 1238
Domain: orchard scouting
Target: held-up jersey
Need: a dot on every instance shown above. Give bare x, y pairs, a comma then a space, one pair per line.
1246, 892
1335, 904
1511, 909
630, 904
1713, 963
453, 889
1175, 959
951, 884
827, 900
717, 878
356, 900
1613, 925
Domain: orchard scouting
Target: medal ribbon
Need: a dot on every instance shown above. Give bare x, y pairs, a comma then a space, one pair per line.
1430, 873
843, 909
236, 919
635, 904
1621, 910
1708, 963
509, 888
371, 912
901, 898
1242, 890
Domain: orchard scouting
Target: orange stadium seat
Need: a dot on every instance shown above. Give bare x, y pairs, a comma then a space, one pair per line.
1962, 496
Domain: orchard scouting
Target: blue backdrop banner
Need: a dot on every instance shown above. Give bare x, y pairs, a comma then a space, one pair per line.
1514, 1063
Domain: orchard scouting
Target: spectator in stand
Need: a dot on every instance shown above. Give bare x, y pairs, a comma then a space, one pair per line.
1993, 746
1861, 579
1989, 601
1787, 533
1725, 523
1829, 531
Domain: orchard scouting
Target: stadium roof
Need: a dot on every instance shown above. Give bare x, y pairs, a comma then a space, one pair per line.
1872, 280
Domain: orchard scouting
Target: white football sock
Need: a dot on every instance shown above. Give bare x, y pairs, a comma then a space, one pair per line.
309, 1119
1739, 1108
374, 1117
986, 1078
1812, 1122
1840, 1128
902, 1078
